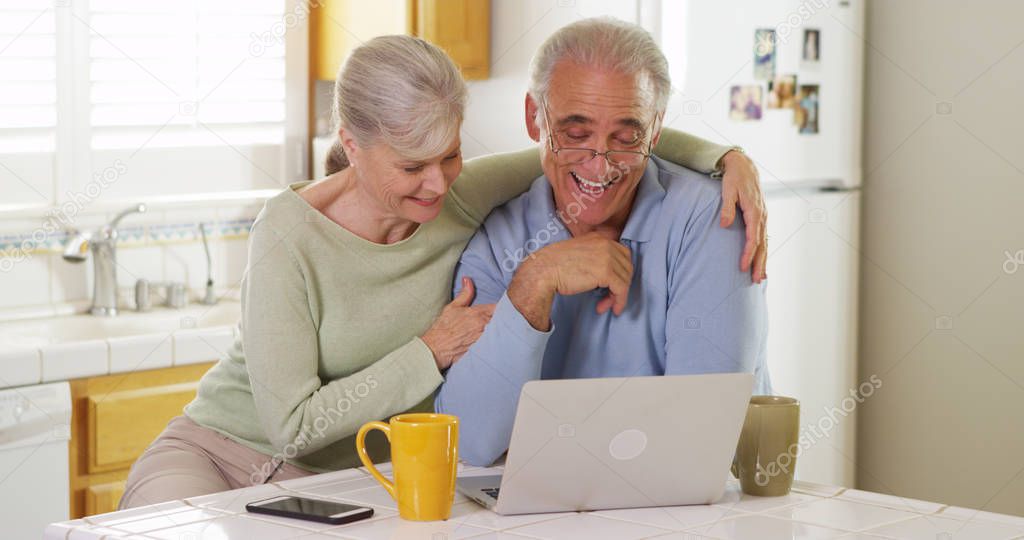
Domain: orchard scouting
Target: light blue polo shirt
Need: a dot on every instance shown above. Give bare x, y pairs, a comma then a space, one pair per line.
690, 307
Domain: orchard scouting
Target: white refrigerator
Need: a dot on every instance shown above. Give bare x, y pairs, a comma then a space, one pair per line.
805, 137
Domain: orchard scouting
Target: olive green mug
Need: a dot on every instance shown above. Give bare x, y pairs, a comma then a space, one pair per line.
766, 454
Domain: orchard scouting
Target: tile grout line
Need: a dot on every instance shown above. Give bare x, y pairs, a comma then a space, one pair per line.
888, 523
905, 508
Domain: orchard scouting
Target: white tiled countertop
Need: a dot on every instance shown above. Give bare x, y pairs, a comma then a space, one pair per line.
75, 346
812, 511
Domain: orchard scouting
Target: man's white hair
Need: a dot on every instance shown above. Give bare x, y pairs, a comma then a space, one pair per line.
605, 43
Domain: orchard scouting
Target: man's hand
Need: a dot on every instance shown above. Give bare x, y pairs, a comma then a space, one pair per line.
740, 184
571, 267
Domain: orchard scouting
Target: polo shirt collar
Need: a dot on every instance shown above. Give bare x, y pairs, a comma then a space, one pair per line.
643, 218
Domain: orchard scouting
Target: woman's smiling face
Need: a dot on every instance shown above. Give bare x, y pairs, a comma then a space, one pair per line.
405, 189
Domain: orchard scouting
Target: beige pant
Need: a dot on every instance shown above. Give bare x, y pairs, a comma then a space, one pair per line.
187, 460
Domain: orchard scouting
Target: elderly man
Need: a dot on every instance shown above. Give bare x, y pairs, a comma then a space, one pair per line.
607, 228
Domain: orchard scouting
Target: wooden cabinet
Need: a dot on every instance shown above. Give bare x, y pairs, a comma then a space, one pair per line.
114, 418
460, 27
103, 498
338, 26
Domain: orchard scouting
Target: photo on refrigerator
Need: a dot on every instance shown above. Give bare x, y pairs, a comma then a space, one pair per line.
764, 54
782, 92
806, 116
745, 102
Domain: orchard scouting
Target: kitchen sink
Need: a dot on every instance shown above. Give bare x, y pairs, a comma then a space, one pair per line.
71, 328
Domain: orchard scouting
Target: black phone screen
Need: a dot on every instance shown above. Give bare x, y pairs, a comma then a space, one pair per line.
314, 509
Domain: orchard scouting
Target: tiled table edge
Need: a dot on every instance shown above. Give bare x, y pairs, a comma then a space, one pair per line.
294, 486
814, 490
917, 506
920, 508
92, 524
104, 532
856, 496
103, 529
171, 508
969, 514
819, 491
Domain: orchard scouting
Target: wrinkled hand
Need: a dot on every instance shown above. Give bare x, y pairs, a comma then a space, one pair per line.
740, 184
457, 327
584, 263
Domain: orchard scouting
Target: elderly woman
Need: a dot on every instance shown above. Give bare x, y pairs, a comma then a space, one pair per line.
344, 315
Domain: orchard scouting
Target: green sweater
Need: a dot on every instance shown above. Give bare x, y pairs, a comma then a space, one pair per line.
329, 335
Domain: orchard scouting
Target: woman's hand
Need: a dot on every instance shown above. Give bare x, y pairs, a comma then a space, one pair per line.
457, 327
740, 184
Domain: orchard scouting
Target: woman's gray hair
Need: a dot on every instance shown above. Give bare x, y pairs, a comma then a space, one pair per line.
400, 91
606, 43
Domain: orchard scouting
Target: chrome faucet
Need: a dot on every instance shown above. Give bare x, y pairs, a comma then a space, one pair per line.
102, 243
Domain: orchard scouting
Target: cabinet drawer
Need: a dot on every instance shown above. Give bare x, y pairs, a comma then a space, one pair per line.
103, 498
122, 424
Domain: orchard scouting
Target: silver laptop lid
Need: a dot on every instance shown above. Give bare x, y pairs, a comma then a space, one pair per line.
587, 444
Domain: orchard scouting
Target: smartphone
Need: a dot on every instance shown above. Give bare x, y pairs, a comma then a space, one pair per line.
331, 512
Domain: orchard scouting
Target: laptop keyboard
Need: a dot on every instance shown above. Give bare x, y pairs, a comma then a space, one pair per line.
493, 492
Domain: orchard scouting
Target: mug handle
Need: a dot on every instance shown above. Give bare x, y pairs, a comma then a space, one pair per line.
365, 457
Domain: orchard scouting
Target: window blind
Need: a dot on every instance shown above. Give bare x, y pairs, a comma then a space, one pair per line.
28, 101
180, 97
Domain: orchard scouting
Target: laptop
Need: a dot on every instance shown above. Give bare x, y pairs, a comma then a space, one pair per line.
622, 442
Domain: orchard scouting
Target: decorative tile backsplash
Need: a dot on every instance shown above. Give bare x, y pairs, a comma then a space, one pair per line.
159, 246
55, 241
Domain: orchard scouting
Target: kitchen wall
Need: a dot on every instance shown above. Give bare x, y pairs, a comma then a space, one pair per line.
942, 260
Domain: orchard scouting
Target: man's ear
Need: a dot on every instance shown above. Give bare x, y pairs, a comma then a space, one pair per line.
532, 110
349, 145
657, 130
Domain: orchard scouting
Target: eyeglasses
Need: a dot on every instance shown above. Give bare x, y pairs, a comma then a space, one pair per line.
621, 159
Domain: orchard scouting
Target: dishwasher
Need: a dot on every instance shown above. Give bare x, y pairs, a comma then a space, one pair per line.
35, 426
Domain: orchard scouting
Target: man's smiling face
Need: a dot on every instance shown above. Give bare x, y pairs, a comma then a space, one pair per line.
600, 109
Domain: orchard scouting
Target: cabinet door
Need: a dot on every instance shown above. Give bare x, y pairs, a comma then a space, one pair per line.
338, 26
103, 498
462, 29
89, 418
122, 424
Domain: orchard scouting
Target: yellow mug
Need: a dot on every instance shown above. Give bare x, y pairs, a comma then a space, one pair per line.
424, 455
